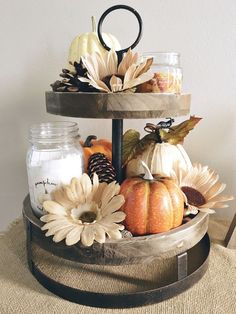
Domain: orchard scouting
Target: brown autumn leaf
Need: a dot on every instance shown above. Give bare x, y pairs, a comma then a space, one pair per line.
134, 146
177, 133
130, 141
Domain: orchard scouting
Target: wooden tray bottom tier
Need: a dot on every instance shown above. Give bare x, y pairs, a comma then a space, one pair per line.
125, 251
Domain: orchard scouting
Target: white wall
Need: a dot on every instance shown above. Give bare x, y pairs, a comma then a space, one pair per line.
35, 36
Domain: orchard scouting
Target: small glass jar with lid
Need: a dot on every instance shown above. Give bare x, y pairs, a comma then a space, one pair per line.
167, 73
54, 157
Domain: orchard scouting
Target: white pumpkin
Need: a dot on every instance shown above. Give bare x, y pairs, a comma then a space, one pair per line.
89, 43
160, 159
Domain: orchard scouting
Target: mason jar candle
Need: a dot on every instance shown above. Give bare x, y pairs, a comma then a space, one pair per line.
54, 157
167, 73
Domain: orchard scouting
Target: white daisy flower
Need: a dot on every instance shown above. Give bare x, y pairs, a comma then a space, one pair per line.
106, 75
84, 211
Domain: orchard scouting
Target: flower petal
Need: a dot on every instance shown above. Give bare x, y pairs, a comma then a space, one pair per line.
114, 217
220, 205
76, 186
129, 75
100, 234
60, 197
53, 230
55, 223
95, 183
109, 192
143, 67
97, 196
91, 65
54, 208
74, 235
207, 210
139, 80
134, 58
111, 63
84, 79
116, 84
221, 198
203, 178
114, 234
211, 179
113, 205
100, 85
88, 235
61, 234
110, 225
207, 205
73, 186
86, 185
216, 189
51, 217
102, 66
125, 63
69, 194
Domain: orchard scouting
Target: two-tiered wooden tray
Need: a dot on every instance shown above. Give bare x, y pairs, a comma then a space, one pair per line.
188, 245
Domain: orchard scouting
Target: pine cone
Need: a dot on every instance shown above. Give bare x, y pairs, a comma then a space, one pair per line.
100, 164
126, 234
70, 80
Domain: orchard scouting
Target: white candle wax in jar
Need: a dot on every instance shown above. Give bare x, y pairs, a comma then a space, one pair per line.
54, 158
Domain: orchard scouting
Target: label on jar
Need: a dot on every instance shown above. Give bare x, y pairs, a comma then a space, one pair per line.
44, 178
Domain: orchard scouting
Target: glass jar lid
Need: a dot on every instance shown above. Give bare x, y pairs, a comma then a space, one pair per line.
164, 58
53, 132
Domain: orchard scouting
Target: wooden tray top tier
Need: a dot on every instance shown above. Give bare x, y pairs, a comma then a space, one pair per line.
118, 106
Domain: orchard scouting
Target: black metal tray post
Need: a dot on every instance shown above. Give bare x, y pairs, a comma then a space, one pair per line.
117, 133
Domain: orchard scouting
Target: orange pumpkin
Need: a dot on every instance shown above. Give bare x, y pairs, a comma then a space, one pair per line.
152, 205
92, 146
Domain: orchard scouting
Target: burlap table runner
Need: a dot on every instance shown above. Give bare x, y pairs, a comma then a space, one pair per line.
21, 293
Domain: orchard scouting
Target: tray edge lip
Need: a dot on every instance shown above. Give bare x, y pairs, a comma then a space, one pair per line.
182, 228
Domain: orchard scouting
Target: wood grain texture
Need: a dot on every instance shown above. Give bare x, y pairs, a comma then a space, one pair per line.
140, 249
118, 106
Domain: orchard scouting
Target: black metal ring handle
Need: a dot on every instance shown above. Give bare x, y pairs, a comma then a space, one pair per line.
117, 7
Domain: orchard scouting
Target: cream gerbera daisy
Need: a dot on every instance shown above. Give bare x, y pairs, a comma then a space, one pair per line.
84, 211
201, 188
106, 75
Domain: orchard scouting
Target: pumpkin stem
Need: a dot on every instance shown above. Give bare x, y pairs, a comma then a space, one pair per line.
94, 29
147, 172
88, 143
153, 129
158, 140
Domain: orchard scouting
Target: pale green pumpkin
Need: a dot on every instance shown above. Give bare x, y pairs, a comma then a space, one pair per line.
89, 43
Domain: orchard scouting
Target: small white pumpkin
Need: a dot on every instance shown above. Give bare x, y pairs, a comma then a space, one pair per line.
89, 43
160, 159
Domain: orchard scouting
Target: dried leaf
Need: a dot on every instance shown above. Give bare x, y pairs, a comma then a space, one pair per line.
177, 133
130, 141
134, 146
146, 141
